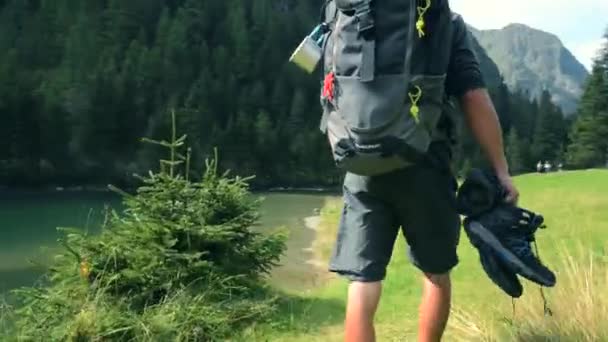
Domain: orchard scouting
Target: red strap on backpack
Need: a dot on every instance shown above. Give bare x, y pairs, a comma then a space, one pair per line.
328, 86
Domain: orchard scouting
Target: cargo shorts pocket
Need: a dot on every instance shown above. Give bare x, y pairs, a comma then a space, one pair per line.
365, 239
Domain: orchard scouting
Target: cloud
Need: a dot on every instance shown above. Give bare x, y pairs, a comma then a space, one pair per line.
538, 13
586, 52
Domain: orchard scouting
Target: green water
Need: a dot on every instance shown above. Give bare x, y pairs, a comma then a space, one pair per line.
29, 221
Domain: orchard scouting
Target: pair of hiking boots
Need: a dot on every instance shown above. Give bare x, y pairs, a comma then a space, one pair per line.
502, 233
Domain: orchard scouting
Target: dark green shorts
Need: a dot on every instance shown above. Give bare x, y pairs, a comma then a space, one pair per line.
419, 201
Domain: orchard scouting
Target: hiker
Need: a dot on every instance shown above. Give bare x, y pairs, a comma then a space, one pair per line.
390, 67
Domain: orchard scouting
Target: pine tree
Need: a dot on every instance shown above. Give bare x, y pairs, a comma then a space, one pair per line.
184, 253
239, 39
266, 143
584, 151
502, 104
549, 134
588, 144
297, 112
514, 153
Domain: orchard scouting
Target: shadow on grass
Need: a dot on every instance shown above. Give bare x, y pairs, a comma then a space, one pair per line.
301, 314
538, 337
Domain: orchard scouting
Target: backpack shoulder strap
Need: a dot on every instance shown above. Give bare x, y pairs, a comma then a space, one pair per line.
329, 12
366, 24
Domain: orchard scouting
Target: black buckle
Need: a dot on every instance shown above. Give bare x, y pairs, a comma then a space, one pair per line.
325, 28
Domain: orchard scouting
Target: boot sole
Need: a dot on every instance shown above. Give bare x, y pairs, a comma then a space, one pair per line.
478, 230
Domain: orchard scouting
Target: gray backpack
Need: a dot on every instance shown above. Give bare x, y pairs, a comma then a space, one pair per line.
385, 67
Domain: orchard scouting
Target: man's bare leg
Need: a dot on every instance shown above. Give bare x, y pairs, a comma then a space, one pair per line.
363, 301
435, 307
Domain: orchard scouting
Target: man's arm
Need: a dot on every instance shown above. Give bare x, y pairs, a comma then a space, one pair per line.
466, 83
482, 119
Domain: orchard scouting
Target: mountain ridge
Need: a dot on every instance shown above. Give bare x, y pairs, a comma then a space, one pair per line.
532, 60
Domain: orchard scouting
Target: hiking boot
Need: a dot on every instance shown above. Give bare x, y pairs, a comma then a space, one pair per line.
499, 272
480, 192
509, 232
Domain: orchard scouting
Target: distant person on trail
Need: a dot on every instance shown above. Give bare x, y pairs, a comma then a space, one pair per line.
539, 167
389, 73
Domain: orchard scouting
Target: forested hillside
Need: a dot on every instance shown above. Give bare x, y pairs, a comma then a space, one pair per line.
81, 82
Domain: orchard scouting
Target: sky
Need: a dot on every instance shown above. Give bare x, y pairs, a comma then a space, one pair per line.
580, 24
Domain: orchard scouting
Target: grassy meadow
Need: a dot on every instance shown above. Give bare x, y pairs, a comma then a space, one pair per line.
575, 246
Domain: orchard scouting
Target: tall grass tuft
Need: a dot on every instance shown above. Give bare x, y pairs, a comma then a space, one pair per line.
467, 326
579, 303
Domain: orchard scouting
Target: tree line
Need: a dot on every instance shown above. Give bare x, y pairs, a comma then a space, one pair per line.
81, 82
589, 134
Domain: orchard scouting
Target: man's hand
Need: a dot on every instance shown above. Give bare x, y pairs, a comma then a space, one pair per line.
483, 121
512, 194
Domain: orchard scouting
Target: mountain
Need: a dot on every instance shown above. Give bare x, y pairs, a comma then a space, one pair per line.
532, 60
489, 69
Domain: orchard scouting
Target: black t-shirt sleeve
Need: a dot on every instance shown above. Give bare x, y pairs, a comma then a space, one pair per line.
464, 73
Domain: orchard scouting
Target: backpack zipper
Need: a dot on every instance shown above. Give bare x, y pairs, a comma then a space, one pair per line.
414, 98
